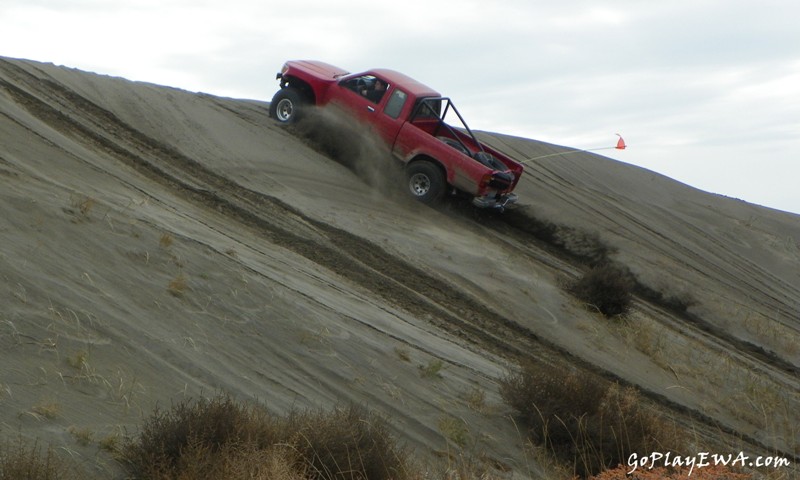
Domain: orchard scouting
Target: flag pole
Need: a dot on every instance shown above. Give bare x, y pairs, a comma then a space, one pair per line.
619, 146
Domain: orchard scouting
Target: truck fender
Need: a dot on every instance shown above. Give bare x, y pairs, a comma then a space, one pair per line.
302, 86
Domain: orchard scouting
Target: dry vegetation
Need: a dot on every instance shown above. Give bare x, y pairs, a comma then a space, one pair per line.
80, 207
178, 285
220, 438
20, 460
583, 420
716, 472
223, 439
586, 424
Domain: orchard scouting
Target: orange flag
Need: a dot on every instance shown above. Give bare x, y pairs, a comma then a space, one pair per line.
620, 143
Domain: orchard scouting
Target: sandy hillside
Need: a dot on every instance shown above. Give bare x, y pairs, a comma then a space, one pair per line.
158, 244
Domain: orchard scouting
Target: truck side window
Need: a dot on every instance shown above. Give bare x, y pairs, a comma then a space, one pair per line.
368, 86
395, 104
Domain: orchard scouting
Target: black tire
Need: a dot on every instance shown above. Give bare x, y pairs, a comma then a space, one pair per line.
455, 144
286, 106
489, 160
426, 182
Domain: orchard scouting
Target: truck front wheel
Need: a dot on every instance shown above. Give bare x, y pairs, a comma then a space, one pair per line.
286, 105
425, 182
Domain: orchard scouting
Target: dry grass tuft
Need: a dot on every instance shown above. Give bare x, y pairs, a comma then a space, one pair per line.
432, 370
455, 430
82, 435
177, 286
85, 205
403, 353
81, 206
48, 410
476, 400
166, 240
79, 360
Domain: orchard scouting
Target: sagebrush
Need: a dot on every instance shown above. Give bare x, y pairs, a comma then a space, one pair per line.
584, 420
224, 439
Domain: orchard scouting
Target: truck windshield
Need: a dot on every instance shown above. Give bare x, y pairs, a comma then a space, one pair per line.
368, 86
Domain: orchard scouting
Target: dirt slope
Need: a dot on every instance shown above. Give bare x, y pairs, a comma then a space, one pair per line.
160, 244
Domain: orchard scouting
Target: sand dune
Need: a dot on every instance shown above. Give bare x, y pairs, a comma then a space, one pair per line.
159, 244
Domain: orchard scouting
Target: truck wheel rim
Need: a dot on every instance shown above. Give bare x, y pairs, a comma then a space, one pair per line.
420, 184
284, 110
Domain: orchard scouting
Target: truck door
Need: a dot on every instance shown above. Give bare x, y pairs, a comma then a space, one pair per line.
389, 121
374, 103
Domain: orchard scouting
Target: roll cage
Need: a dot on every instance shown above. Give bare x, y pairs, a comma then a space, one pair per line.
429, 108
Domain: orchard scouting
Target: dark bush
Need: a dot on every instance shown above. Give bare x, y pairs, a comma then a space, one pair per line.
167, 435
606, 287
212, 439
584, 420
542, 394
347, 441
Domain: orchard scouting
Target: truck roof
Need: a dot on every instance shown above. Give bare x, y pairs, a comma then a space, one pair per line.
405, 82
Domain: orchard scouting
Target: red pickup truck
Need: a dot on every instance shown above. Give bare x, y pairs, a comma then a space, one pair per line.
410, 118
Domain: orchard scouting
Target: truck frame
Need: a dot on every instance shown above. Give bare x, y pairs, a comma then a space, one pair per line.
413, 120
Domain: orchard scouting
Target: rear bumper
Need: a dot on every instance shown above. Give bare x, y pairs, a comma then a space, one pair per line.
499, 202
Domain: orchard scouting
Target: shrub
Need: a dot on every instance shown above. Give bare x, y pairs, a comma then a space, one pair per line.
167, 435
346, 441
223, 439
584, 420
606, 287
542, 394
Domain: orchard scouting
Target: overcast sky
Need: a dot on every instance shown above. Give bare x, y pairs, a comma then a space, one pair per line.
704, 91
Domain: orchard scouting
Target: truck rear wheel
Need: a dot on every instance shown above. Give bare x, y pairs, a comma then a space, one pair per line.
286, 105
426, 181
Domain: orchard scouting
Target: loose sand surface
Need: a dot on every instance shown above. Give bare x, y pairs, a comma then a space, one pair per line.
159, 244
